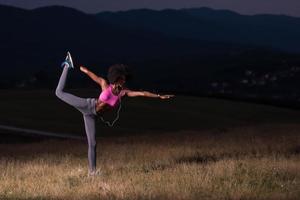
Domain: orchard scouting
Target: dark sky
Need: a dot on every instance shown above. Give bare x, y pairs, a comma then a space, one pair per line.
288, 7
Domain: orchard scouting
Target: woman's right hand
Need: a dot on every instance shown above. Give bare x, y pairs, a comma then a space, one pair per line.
83, 69
168, 96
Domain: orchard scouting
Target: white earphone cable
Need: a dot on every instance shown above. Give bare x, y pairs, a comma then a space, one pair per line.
110, 124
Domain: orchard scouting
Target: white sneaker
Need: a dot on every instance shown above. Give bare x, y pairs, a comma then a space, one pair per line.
95, 173
68, 61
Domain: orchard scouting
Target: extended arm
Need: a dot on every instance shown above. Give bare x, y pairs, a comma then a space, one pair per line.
101, 81
131, 93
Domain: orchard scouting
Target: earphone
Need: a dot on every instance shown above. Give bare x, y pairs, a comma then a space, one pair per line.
110, 124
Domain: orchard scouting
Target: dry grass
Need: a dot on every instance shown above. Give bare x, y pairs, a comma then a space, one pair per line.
181, 149
257, 162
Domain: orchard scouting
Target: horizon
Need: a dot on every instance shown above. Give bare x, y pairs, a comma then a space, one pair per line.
161, 9
93, 7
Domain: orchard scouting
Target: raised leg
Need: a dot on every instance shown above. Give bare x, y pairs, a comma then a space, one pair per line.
70, 99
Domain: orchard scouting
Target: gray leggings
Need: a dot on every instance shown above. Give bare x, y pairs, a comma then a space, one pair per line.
87, 107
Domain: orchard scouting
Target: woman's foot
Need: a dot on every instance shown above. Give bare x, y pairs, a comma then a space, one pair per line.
95, 173
68, 61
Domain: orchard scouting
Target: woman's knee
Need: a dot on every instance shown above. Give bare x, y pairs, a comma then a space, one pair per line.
59, 92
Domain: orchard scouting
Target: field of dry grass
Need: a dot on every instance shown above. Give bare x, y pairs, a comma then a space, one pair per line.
215, 150
214, 164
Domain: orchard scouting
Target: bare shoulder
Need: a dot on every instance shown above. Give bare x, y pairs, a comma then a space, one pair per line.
124, 91
103, 84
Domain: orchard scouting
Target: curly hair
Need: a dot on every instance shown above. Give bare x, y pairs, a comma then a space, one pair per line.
118, 71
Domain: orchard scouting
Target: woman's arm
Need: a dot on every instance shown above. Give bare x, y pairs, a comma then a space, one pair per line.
131, 93
101, 81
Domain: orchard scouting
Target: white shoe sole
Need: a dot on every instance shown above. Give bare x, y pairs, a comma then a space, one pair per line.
70, 59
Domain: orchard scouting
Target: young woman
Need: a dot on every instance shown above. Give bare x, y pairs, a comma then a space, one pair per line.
112, 92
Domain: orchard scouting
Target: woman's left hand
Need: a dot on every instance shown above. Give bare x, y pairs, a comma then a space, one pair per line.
168, 96
83, 69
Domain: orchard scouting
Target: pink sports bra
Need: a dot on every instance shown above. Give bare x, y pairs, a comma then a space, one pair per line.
108, 97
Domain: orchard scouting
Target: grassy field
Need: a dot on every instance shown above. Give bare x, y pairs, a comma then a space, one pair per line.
186, 148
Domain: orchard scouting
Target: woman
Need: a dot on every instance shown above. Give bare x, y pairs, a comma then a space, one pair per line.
112, 92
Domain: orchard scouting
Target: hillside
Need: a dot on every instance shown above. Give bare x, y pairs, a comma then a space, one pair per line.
273, 31
188, 51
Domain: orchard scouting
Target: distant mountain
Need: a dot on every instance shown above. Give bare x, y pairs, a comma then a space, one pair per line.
40, 37
276, 31
191, 51
35, 41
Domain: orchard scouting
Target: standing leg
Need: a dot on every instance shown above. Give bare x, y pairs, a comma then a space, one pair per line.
70, 99
90, 129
